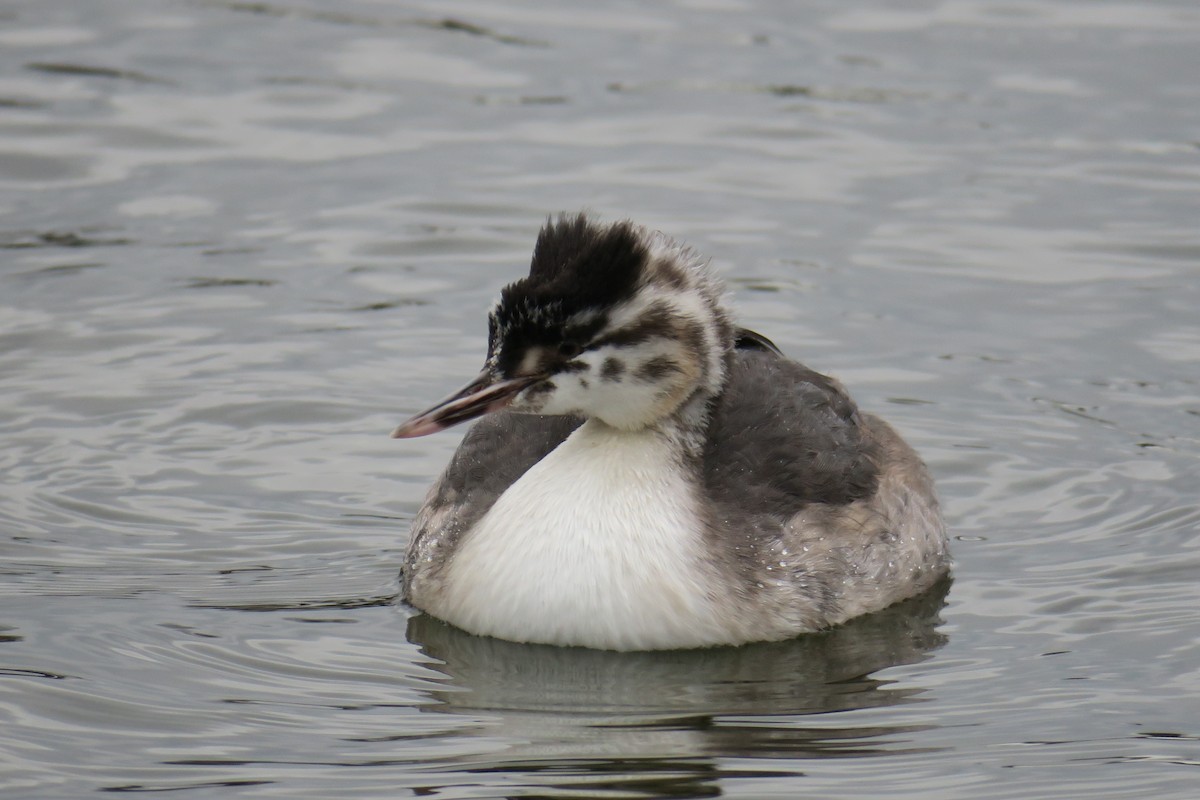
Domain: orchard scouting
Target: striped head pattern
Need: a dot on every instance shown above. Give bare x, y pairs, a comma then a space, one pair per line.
613, 322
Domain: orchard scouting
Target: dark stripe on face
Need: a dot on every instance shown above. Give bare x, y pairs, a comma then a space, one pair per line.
657, 321
540, 388
656, 369
574, 366
612, 369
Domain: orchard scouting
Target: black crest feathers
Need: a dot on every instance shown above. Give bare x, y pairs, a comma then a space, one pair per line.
577, 259
577, 265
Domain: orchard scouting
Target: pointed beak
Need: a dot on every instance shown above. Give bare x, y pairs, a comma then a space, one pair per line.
485, 394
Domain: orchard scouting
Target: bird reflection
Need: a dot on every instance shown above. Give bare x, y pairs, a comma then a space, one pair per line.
639, 724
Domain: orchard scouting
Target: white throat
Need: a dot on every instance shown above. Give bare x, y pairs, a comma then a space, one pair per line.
598, 544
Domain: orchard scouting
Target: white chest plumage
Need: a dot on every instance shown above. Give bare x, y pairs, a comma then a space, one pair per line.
599, 544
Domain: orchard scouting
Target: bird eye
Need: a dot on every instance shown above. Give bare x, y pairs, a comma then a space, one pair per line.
570, 349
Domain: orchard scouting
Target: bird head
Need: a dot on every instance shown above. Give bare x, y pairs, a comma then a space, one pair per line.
613, 322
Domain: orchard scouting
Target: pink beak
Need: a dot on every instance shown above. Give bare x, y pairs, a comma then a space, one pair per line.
481, 396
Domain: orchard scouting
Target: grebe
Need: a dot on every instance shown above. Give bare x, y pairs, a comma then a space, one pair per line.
650, 476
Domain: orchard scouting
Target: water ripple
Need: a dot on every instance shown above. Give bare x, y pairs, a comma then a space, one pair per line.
243, 239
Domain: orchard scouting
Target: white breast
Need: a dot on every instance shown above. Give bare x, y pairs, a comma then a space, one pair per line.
598, 544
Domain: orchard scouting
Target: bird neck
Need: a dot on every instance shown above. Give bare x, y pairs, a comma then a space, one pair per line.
686, 428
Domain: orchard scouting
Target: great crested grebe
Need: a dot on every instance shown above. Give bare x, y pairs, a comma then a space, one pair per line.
650, 476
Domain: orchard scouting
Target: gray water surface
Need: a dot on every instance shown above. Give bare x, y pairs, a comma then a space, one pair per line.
240, 241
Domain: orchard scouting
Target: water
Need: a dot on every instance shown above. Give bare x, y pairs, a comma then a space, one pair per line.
241, 241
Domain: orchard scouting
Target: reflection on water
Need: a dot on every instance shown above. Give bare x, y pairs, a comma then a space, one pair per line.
651, 723
812, 674
239, 241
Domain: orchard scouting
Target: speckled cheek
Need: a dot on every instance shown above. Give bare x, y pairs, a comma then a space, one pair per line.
534, 399
564, 394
